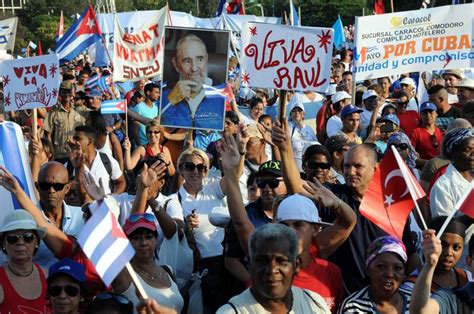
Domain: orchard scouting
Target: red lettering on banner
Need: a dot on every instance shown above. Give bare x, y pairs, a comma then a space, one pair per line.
141, 55
30, 72
138, 72
300, 77
154, 29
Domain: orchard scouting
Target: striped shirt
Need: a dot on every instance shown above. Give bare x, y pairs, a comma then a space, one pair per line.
361, 302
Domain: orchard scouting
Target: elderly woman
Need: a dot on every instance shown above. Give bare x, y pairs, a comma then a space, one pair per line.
153, 148
403, 144
22, 283
197, 201
66, 286
158, 281
385, 269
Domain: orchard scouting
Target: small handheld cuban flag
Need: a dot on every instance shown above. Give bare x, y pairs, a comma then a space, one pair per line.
105, 244
114, 106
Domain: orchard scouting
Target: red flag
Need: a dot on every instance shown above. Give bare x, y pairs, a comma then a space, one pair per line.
467, 205
379, 8
40, 49
389, 198
236, 7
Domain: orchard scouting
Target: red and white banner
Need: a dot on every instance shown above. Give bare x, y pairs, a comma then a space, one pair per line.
286, 57
139, 54
31, 82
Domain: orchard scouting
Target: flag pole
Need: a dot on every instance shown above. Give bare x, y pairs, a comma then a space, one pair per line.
455, 210
34, 124
136, 281
410, 188
126, 117
282, 106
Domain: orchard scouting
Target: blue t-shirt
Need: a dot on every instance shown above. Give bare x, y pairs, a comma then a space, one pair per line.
448, 300
146, 112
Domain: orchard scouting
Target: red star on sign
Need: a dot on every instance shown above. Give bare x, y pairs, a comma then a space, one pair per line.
253, 30
324, 40
6, 80
245, 78
7, 100
52, 70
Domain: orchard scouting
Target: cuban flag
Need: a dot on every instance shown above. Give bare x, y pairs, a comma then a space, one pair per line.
84, 32
114, 106
14, 157
220, 8
295, 21
105, 244
235, 7
100, 82
93, 82
60, 31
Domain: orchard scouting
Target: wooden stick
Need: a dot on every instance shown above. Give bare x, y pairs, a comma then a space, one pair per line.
391, 5
34, 124
136, 281
126, 119
282, 106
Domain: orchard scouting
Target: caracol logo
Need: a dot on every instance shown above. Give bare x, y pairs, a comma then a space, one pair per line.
407, 21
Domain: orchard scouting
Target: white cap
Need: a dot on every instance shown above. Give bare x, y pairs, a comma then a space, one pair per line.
369, 93
298, 207
338, 96
331, 89
297, 105
408, 81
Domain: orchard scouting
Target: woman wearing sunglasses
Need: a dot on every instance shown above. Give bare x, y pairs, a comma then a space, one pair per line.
406, 150
152, 149
66, 286
156, 280
316, 164
22, 283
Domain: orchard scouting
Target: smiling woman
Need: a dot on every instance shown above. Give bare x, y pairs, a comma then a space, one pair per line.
385, 268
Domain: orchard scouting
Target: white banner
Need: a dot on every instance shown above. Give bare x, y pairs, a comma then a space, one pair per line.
421, 40
286, 57
139, 54
31, 82
8, 33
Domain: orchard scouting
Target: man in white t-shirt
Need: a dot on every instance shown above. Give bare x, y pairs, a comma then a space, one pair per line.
339, 101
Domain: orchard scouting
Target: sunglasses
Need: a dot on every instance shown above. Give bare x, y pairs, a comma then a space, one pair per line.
402, 103
153, 132
313, 165
434, 140
189, 166
136, 217
71, 291
272, 183
28, 237
45, 186
401, 146
117, 297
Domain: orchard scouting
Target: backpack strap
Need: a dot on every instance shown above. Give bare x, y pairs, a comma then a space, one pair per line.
167, 269
309, 295
106, 161
233, 306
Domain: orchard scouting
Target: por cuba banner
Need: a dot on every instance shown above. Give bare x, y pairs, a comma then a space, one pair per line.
139, 54
422, 40
31, 82
286, 57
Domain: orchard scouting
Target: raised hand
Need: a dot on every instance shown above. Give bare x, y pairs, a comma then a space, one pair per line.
243, 137
35, 146
126, 144
230, 153
280, 135
8, 181
431, 247
323, 196
76, 157
266, 133
96, 192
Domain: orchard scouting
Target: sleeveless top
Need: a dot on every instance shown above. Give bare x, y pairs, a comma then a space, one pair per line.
14, 303
107, 148
149, 151
169, 297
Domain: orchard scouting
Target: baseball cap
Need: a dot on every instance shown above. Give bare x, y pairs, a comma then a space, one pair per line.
408, 81
455, 72
338, 96
271, 167
331, 89
337, 142
369, 93
297, 105
69, 268
391, 118
466, 83
298, 207
136, 221
428, 106
350, 109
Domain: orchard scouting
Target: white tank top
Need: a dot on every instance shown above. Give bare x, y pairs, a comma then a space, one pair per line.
107, 148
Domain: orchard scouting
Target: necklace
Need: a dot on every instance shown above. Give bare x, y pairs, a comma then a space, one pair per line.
20, 275
148, 275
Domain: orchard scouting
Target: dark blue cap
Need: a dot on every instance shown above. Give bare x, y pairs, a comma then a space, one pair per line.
428, 106
350, 109
391, 118
69, 268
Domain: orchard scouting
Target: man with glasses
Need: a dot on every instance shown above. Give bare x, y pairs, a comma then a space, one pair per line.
61, 121
426, 139
337, 146
409, 119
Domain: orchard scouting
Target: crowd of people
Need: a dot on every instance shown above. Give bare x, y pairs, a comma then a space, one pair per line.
262, 216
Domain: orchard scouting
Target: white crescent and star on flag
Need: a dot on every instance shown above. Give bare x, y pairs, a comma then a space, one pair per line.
389, 200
